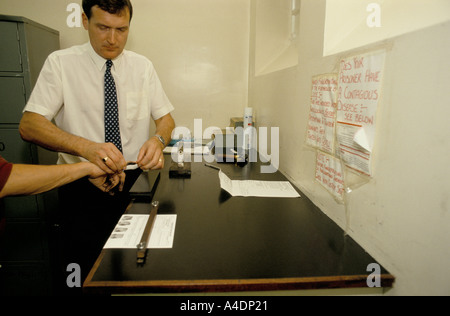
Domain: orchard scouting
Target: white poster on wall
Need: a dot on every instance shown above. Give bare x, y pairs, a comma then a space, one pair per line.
359, 92
320, 132
329, 174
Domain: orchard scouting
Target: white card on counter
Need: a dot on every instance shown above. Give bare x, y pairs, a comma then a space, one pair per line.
130, 228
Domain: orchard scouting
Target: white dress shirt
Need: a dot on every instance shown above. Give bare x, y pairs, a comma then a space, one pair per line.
70, 90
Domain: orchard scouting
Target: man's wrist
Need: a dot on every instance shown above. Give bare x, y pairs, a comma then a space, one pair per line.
88, 169
161, 140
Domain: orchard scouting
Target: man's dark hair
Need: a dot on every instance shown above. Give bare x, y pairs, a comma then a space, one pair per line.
110, 6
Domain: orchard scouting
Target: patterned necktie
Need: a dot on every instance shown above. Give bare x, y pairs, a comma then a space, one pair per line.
112, 131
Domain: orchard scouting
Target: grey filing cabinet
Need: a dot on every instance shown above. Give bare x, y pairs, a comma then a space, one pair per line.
25, 265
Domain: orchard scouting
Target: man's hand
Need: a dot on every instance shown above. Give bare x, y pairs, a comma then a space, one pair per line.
107, 157
151, 155
37, 129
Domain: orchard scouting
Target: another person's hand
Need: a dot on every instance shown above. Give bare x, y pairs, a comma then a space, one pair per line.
106, 182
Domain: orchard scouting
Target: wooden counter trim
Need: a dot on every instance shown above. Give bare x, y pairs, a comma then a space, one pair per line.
231, 285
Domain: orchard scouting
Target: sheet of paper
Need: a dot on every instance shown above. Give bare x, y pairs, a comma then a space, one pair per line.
130, 228
322, 117
329, 173
361, 139
254, 188
359, 94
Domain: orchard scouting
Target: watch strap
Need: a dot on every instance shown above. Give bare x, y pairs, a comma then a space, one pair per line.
161, 139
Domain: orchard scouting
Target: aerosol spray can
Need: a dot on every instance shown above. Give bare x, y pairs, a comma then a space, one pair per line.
248, 129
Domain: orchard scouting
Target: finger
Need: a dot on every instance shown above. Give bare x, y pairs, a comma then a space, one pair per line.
107, 165
156, 163
109, 184
112, 159
147, 153
122, 177
146, 158
114, 181
103, 163
159, 163
118, 162
103, 187
100, 156
108, 160
147, 162
140, 156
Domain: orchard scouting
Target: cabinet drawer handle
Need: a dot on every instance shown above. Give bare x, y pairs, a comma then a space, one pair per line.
2, 147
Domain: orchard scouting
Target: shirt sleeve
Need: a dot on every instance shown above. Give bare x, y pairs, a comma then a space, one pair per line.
5, 172
47, 96
160, 103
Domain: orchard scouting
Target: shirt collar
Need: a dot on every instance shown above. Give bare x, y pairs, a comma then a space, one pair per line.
99, 61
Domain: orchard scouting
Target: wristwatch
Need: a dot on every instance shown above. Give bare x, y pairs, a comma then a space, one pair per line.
161, 139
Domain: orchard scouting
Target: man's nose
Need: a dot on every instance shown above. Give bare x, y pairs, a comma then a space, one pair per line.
112, 36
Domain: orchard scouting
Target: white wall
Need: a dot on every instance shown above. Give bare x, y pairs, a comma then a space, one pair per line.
199, 49
402, 216
274, 48
346, 20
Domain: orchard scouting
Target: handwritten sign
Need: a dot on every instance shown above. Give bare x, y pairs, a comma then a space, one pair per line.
322, 118
329, 174
358, 97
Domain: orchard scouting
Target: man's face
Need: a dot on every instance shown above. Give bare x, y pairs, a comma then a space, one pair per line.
108, 32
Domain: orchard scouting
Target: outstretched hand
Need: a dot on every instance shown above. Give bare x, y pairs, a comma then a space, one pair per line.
106, 182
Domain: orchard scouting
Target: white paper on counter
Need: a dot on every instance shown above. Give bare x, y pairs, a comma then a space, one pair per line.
255, 188
129, 230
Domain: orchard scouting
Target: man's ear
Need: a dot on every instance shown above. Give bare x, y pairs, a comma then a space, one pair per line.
85, 21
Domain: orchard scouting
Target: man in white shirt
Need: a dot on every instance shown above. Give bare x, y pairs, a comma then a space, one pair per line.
74, 89
70, 90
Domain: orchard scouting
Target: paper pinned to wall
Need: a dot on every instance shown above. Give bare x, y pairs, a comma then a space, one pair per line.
359, 94
361, 139
320, 132
329, 173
